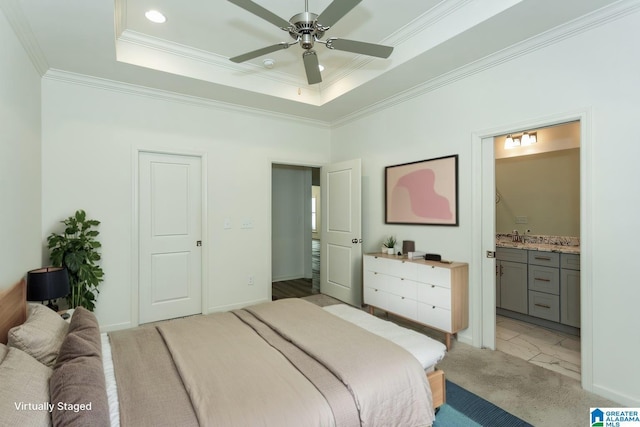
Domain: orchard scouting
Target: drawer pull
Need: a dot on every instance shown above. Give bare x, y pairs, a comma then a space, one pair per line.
433, 286
433, 307
541, 280
543, 306
543, 258
402, 278
402, 297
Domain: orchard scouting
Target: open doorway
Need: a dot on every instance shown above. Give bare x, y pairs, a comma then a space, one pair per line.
537, 224
296, 217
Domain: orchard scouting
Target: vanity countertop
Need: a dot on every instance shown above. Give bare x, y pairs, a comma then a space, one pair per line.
562, 244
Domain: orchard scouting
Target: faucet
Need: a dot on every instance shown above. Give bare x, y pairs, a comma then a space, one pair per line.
516, 237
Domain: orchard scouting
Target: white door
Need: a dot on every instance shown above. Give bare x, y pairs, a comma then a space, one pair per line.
170, 224
341, 238
489, 192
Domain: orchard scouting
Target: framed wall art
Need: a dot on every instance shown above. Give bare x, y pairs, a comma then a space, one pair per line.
423, 193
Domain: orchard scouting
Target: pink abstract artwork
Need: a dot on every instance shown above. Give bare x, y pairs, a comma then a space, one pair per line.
423, 199
422, 192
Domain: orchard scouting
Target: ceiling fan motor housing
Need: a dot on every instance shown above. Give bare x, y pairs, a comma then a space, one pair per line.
305, 28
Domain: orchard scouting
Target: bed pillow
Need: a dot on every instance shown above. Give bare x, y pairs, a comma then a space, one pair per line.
25, 383
41, 335
77, 386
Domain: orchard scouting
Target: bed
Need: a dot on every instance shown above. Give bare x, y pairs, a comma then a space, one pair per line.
257, 366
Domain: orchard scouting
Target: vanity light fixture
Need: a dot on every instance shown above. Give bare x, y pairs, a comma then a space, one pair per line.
155, 16
527, 138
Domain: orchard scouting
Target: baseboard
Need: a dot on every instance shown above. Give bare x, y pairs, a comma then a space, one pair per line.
622, 399
235, 306
115, 327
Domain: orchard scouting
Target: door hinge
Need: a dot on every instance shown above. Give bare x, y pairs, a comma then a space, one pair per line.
199, 243
491, 254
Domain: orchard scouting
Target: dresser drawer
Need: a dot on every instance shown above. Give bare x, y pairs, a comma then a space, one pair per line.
545, 306
402, 306
376, 297
547, 259
434, 316
434, 295
433, 275
391, 267
544, 279
373, 279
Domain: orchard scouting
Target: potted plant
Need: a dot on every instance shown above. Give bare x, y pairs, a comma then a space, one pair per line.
390, 244
77, 250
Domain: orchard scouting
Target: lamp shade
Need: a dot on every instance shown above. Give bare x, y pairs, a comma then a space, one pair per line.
47, 283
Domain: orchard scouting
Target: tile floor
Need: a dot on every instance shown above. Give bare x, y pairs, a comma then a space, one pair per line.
549, 349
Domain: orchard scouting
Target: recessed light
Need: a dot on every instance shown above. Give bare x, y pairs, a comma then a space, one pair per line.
155, 16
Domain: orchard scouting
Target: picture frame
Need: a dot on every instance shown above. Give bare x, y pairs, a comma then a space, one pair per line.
423, 192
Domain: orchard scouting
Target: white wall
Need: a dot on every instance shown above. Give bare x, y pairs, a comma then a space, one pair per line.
20, 236
90, 137
593, 71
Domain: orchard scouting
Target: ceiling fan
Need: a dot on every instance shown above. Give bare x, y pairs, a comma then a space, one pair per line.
308, 28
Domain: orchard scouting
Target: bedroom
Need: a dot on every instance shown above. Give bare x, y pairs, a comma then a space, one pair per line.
69, 143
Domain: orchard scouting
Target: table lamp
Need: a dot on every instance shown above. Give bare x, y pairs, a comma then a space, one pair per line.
47, 283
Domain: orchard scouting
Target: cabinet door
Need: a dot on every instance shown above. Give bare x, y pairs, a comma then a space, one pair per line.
513, 286
570, 297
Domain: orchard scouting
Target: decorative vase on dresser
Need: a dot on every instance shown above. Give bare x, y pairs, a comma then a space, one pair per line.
430, 293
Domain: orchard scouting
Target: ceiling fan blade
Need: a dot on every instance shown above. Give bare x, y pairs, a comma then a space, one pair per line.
259, 52
335, 11
363, 48
312, 67
260, 11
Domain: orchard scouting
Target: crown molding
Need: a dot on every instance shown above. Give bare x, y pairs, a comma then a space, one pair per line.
163, 95
576, 27
13, 12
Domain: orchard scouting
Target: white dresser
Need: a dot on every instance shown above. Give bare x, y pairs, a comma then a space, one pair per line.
427, 292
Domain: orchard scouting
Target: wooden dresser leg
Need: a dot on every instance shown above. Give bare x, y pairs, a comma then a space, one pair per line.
447, 339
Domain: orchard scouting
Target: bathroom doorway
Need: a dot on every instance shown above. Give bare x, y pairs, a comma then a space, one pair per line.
537, 216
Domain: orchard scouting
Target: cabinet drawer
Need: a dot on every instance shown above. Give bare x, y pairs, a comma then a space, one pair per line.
510, 254
544, 279
547, 259
434, 316
434, 295
433, 275
545, 306
403, 306
570, 261
376, 297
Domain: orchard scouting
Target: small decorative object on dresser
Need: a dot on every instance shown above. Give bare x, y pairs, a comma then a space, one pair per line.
389, 244
427, 292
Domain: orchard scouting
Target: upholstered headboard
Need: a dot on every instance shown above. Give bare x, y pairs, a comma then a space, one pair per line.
13, 308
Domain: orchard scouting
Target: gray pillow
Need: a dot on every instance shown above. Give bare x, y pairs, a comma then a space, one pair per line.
78, 375
41, 335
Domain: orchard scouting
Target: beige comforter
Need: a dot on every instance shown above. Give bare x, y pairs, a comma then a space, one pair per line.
290, 363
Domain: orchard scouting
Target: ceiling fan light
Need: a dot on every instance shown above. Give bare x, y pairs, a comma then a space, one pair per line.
155, 16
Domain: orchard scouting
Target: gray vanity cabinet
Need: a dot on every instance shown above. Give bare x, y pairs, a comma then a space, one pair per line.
570, 289
511, 279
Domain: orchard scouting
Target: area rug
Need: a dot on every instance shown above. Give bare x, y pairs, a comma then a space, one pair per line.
464, 408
